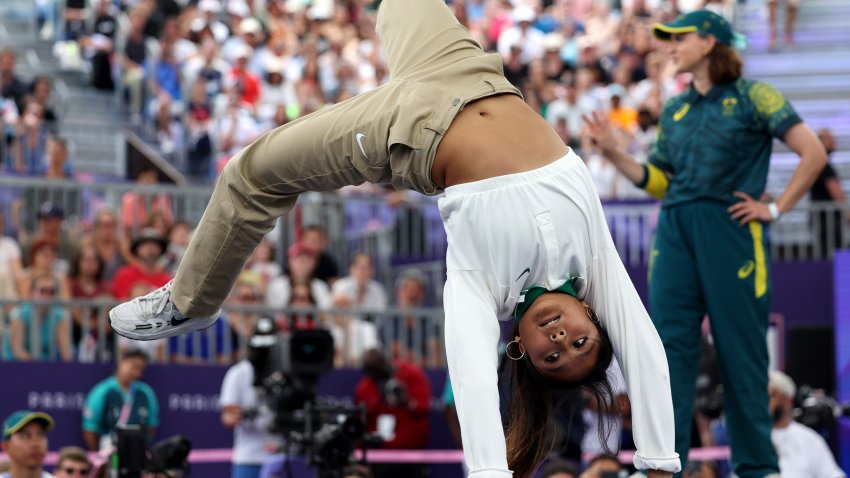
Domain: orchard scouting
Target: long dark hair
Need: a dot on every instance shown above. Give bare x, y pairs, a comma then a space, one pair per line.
724, 64
531, 425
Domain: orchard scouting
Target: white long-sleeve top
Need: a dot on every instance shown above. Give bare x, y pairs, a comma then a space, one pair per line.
538, 228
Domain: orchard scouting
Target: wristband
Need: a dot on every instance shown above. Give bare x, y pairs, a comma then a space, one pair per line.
774, 210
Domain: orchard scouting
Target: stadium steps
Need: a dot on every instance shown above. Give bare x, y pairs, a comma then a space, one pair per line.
814, 74
89, 119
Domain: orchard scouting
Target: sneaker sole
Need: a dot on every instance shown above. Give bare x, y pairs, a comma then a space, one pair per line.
192, 325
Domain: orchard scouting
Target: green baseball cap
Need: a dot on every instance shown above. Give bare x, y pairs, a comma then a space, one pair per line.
21, 418
704, 22
528, 296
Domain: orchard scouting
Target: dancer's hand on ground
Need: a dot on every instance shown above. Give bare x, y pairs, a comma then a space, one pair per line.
748, 209
600, 131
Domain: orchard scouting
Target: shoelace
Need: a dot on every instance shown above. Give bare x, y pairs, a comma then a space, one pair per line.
154, 303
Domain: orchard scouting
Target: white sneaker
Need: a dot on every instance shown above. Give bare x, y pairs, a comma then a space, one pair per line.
154, 316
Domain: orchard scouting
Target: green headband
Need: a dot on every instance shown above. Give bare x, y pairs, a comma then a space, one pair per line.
528, 296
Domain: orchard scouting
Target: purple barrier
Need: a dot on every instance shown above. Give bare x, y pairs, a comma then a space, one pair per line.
188, 399
842, 349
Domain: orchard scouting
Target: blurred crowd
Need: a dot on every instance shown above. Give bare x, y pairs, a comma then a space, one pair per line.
207, 77
118, 256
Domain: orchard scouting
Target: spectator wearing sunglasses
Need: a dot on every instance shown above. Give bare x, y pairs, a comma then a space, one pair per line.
39, 330
72, 463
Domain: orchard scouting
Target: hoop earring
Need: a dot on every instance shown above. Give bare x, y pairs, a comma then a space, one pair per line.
508, 348
591, 314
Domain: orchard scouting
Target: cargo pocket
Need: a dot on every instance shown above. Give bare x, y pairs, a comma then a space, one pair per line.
411, 136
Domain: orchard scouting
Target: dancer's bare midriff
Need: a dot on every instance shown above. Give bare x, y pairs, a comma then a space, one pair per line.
494, 136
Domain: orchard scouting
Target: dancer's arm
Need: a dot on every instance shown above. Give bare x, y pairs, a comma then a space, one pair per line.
638, 350
472, 337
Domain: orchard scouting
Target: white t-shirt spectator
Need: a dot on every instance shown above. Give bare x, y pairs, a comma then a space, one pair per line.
571, 113
375, 297
250, 438
354, 339
280, 291
803, 453
531, 41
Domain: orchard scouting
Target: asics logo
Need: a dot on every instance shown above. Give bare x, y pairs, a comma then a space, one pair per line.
746, 269
359, 137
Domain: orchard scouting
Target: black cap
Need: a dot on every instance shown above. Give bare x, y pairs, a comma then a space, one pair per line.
51, 210
148, 235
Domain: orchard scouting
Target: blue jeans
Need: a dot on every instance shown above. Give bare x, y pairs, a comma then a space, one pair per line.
246, 471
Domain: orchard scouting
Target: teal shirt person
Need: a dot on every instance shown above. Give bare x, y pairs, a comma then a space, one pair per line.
709, 147
106, 401
47, 347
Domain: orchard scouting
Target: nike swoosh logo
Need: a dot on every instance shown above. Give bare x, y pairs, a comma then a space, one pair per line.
177, 321
359, 137
746, 269
526, 271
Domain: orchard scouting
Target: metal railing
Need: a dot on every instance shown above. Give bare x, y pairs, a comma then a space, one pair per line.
410, 233
79, 331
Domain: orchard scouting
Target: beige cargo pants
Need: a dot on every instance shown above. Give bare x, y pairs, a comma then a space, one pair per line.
389, 134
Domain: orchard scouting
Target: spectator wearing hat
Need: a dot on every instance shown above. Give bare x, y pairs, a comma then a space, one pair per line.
73, 463
524, 34
147, 248
39, 331
122, 399
249, 33
25, 443
300, 278
802, 452
554, 65
211, 9
51, 217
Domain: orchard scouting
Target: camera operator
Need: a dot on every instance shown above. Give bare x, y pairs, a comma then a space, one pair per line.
396, 395
802, 452
249, 418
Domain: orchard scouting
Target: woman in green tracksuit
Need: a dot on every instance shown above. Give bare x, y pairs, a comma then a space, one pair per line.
710, 164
